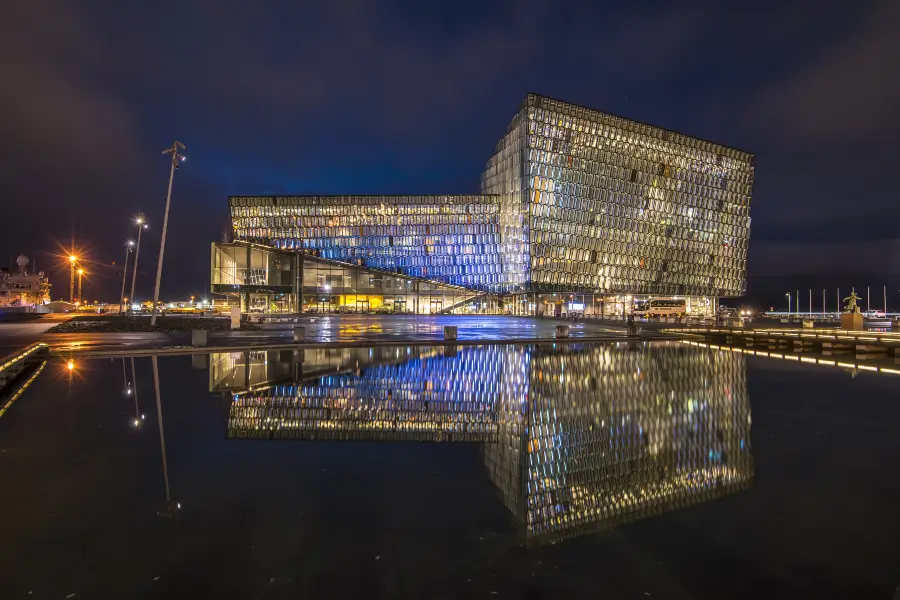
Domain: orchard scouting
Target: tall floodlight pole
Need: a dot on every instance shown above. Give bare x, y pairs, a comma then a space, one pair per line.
810, 302
868, 298
176, 159
80, 274
885, 300
824, 310
72, 259
789, 303
142, 225
124, 272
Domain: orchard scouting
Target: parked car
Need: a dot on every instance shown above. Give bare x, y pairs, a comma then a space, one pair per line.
874, 314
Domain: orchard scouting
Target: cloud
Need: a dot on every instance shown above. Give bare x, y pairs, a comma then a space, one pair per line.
53, 111
849, 92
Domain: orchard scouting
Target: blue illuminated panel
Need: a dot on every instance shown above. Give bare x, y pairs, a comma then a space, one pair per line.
450, 239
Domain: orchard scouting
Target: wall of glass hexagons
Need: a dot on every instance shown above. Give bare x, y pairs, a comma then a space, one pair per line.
450, 239
572, 200
593, 202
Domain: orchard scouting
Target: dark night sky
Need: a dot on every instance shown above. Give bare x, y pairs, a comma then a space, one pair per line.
350, 96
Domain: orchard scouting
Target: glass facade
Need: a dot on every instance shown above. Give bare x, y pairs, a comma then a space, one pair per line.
573, 201
448, 239
593, 202
576, 439
266, 279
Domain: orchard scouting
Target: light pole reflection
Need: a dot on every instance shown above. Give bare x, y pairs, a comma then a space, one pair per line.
171, 504
138, 417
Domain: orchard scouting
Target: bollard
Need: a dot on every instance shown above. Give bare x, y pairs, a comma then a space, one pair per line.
449, 332
299, 334
562, 331
199, 337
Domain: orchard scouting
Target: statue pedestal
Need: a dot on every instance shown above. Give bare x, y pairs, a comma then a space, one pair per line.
852, 322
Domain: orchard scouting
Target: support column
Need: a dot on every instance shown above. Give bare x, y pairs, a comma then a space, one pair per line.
298, 282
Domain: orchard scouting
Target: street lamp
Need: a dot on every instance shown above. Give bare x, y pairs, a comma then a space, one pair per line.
72, 259
80, 273
125, 272
176, 159
141, 225
789, 303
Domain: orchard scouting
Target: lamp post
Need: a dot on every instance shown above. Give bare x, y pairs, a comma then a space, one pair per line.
789, 303
80, 273
72, 259
176, 159
124, 272
142, 225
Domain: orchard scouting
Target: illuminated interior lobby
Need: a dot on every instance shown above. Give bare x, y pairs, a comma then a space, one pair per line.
578, 212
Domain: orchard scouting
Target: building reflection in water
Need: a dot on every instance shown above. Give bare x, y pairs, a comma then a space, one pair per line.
576, 438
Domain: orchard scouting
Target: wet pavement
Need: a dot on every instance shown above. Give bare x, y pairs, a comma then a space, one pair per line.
14, 336
645, 470
355, 328
337, 328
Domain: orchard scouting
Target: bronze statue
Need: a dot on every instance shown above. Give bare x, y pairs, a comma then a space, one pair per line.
851, 306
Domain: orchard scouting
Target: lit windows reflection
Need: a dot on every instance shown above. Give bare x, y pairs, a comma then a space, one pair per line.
576, 439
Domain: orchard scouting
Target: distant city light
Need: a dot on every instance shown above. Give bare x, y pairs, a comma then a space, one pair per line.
70, 365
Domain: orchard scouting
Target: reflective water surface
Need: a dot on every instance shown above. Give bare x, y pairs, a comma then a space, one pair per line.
588, 470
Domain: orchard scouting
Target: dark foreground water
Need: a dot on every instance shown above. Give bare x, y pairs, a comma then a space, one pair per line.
596, 471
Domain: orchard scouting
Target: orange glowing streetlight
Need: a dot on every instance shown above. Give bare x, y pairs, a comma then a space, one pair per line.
72, 260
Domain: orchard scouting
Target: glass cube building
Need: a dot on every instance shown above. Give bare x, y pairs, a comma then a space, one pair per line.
573, 202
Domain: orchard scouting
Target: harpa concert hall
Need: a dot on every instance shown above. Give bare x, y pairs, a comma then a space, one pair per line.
579, 212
